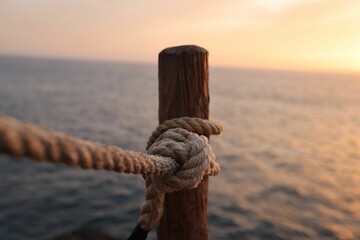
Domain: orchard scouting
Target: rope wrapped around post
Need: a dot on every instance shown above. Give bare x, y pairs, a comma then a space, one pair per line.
178, 157
175, 139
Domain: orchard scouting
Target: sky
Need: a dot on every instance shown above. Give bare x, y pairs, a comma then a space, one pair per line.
274, 34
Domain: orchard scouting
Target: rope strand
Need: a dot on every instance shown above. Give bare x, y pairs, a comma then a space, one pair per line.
177, 157
39, 144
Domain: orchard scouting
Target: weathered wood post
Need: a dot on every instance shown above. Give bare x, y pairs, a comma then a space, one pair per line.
184, 91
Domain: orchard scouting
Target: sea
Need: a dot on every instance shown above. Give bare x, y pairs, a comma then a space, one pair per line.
289, 154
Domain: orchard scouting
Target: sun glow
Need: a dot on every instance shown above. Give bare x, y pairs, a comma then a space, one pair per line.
291, 34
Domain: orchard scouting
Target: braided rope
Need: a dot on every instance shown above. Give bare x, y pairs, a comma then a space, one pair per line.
177, 157
196, 125
39, 144
195, 158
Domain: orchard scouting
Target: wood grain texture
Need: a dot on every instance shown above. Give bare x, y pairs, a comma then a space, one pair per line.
184, 91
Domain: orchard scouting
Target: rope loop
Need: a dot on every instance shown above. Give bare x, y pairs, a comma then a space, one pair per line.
181, 141
192, 154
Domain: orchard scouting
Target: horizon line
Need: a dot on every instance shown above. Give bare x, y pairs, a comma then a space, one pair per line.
144, 62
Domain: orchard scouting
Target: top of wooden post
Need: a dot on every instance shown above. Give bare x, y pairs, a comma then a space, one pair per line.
183, 82
183, 49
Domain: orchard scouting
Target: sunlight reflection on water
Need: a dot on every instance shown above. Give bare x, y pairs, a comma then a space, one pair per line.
289, 154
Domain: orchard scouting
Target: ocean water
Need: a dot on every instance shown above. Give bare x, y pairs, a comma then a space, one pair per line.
289, 154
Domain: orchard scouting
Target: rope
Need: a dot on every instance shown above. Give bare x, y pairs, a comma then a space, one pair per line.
177, 157
39, 144
196, 125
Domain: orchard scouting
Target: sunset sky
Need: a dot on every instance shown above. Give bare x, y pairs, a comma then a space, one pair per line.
284, 34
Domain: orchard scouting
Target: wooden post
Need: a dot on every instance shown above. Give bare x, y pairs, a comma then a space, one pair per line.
184, 91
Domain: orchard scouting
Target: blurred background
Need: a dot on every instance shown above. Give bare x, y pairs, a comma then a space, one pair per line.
286, 70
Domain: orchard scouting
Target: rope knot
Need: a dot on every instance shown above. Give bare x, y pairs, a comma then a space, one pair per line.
182, 142
193, 156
